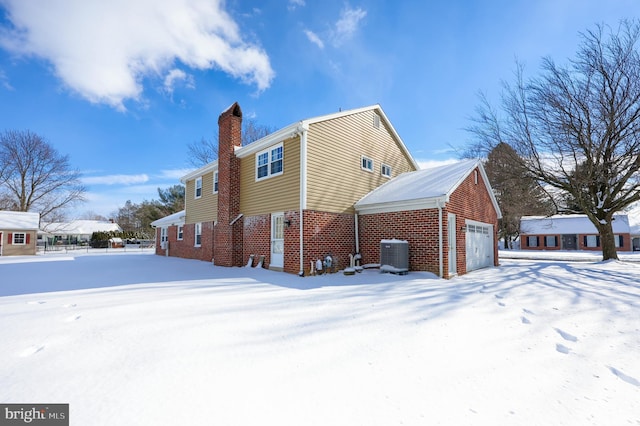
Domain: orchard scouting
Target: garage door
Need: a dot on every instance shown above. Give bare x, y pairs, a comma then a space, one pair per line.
479, 245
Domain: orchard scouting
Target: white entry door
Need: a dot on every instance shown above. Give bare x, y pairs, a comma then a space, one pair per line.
277, 240
451, 226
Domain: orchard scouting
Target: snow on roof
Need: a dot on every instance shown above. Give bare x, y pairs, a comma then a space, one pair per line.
80, 227
427, 185
172, 219
19, 220
633, 213
568, 224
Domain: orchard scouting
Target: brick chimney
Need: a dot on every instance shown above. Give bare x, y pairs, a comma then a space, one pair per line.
228, 237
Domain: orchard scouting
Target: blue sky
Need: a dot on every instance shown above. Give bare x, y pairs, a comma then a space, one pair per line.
123, 86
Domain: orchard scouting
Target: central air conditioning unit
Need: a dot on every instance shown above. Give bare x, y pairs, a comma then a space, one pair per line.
394, 256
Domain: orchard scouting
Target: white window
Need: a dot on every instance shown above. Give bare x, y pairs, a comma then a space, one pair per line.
215, 182
366, 163
385, 170
532, 241
19, 239
180, 232
619, 241
591, 241
198, 233
550, 241
269, 163
163, 234
198, 192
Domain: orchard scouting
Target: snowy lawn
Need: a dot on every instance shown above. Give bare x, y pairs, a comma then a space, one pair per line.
139, 339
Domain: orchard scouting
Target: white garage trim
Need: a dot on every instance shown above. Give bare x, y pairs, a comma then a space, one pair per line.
478, 245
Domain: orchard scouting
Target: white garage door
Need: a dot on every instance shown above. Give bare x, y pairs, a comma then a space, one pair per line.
479, 245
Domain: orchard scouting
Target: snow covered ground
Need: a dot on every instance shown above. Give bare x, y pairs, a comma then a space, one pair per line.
139, 339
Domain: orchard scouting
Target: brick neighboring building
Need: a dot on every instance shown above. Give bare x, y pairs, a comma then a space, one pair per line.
570, 232
291, 196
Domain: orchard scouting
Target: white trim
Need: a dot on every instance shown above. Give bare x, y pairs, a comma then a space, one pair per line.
195, 188
179, 237
382, 167
199, 172
197, 226
303, 192
420, 204
369, 160
215, 181
269, 153
24, 238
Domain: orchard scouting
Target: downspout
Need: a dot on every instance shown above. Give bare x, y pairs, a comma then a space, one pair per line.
357, 234
440, 240
303, 130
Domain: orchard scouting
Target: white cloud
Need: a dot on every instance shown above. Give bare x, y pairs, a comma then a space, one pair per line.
342, 30
347, 24
313, 38
176, 75
294, 4
103, 50
175, 174
115, 179
4, 81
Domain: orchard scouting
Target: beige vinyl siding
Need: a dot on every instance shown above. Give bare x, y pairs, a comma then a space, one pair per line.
335, 179
18, 249
205, 208
278, 193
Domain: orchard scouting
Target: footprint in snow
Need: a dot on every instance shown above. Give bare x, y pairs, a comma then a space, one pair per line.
525, 320
31, 350
631, 380
73, 318
36, 302
526, 311
566, 336
562, 348
69, 305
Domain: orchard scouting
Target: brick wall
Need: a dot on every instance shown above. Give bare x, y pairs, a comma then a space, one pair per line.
257, 238
326, 233
185, 248
418, 227
470, 200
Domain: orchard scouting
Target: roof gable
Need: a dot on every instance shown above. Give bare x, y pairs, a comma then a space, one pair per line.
427, 188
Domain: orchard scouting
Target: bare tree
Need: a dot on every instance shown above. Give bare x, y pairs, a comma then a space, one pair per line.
205, 150
583, 116
35, 177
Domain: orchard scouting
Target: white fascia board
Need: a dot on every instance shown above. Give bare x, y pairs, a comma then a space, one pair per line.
200, 172
399, 206
276, 137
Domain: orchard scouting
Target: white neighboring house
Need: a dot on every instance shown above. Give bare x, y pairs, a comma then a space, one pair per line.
74, 232
18, 232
